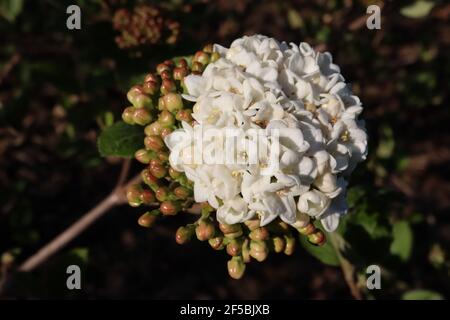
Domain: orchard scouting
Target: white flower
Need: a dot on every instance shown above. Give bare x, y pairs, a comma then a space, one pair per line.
296, 130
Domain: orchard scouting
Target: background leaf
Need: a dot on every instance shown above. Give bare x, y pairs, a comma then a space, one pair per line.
418, 9
401, 245
326, 253
421, 294
120, 140
10, 9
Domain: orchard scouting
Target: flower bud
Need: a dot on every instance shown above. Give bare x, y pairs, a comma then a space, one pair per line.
259, 234
151, 77
174, 174
153, 129
252, 224
169, 208
258, 250
169, 63
147, 219
208, 48
215, 56
168, 86
180, 72
234, 247
166, 119
162, 67
165, 132
205, 230
246, 251
127, 115
149, 179
162, 193
157, 168
317, 238
184, 115
134, 195
147, 197
150, 87
142, 116
143, 156
197, 67
166, 75
301, 221
182, 63
236, 267
154, 143
231, 231
161, 104
163, 156
307, 230
173, 102
216, 243
182, 193
278, 244
137, 97
290, 245
184, 234
201, 57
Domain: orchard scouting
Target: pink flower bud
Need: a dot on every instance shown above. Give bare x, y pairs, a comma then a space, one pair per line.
236, 267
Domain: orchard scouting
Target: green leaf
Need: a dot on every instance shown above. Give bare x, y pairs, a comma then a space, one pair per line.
120, 140
402, 235
326, 253
420, 294
10, 9
418, 9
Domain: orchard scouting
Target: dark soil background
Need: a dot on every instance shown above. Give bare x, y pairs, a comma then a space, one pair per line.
59, 87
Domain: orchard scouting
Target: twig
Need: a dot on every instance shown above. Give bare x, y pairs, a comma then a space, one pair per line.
115, 198
347, 268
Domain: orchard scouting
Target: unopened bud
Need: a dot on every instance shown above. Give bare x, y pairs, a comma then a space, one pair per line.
258, 250
259, 234
173, 102
182, 63
182, 193
231, 231
151, 77
162, 67
137, 97
147, 197
307, 230
168, 86
301, 221
143, 156
208, 48
174, 174
205, 230
184, 234
162, 155
290, 245
150, 87
201, 57
162, 193
147, 219
216, 243
169, 208
149, 179
153, 129
166, 119
236, 267
154, 143
252, 224
127, 115
197, 67
134, 195
161, 104
184, 115
165, 132
317, 238
278, 244
215, 56
246, 251
142, 116
234, 247
157, 169
180, 72
166, 75
169, 63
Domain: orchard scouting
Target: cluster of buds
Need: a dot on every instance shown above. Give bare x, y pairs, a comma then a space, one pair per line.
144, 25
157, 104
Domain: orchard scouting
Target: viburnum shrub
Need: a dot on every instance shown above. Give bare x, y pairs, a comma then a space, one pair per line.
256, 141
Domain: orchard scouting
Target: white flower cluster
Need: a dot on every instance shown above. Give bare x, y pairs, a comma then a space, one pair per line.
259, 83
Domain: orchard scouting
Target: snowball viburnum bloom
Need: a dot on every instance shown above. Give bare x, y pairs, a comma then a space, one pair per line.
260, 86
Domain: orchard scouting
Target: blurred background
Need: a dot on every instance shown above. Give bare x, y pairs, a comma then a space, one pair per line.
60, 87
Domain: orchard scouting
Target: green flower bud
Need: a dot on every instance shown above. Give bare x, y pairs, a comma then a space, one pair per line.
317, 238
182, 63
157, 168
229, 228
147, 219
184, 115
142, 116
197, 67
161, 104
153, 129
166, 75
168, 86
201, 57
307, 230
236, 267
150, 87
208, 48
290, 245
234, 247
216, 243
278, 244
169, 208
147, 197
258, 250
205, 230
127, 115
143, 156
154, 143
184, 234
162, 67
151, 77
137, 97
173, 102
252, 224
166, 119
180, 72
215, 56
174, 174
246, 251
162, 193
163, 156
149, 179
259, 234
182, 193
165, 132
133, 194
301, 221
